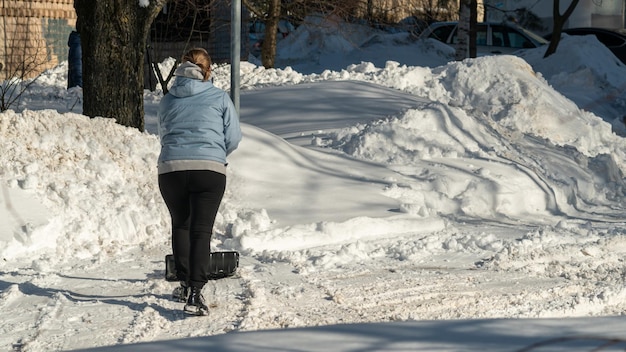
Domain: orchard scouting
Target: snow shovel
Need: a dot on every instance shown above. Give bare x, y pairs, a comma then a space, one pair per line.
221, 265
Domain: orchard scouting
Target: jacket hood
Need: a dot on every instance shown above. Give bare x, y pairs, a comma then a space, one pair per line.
189, 69
188, 81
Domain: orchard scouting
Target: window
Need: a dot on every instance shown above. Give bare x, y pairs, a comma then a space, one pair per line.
519, 41
498, 36
481, 34
609, 40
442, 33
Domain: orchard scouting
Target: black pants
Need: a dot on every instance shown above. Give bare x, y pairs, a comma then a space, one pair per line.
193, 198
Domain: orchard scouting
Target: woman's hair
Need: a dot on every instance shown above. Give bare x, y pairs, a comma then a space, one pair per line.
200, 58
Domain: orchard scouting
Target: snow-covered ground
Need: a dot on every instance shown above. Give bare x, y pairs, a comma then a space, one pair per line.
396, 201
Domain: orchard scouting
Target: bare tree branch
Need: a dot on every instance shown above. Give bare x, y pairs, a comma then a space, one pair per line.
558, 21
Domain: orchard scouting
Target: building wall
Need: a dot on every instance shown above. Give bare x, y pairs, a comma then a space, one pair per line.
395, 10
34, 33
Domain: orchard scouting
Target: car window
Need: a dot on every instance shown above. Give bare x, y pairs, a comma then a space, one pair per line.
481, 38
498, 36
455, 36
517, 40
481, 34
509, 37
533, 39
609, 40
442, 33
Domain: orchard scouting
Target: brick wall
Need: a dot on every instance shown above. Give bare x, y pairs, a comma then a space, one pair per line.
35, 34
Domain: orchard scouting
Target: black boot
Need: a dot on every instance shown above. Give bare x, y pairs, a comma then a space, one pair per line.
195, 303
181, 292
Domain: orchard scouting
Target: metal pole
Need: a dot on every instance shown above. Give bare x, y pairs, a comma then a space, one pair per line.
235, 51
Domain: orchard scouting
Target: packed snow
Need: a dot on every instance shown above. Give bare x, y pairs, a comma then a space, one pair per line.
384, 197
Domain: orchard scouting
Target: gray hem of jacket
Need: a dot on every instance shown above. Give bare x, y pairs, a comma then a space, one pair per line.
184, 165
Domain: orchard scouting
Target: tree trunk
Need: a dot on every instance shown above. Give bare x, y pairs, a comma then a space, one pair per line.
472, 27
463, 30
558, 23
268, 50
370, 10
113, 39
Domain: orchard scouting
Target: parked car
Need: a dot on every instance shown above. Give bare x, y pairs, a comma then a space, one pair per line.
491, 37
614, 39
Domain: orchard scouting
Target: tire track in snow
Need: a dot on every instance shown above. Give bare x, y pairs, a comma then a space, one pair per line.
258, 311
7, 297
47, 319
146, 325
226, 299
249, 295
158, 317
277, 296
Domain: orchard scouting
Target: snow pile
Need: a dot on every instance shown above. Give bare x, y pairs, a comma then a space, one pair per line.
506, 117
319, 35
95, 177
484, 190
593, 77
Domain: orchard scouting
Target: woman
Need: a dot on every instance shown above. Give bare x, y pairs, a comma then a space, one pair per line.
198, 126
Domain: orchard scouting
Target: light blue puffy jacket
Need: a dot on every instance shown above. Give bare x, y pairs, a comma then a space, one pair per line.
197, 122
